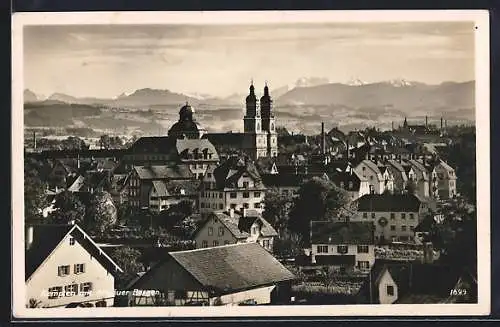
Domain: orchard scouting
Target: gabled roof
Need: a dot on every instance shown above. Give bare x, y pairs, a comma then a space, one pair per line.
77, 184
346, 178
230, 268
252, 216
47, 237
420, 168
164, 172
231, 223
327, 232
396, 165
227, 174
160, 188
373, 166
389, 203
286, 179
155, 144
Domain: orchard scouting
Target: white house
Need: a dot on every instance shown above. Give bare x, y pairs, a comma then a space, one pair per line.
378, 181
66, 268
223, 228
346, 245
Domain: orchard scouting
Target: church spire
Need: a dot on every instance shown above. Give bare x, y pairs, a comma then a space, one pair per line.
266, 90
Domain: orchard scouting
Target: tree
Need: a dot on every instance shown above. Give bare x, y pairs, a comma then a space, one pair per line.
73, 143
35, 199
318, 199
276, 209
176, 213
102, 213
68, 208
128, 259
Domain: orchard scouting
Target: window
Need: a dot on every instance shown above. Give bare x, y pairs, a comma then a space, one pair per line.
265, 243
351, 185
204, 244
180, 294
342, 249
220, 195
210, 230
226, 242
71, 241
79, 268
363, 264
215, 243
322, 248
390, 290
403, 228
393, 215
221, 206
362, 248
63, 270
221, 231
209, 175
246, 205
403, 216
245, 184
254, 230
256, 205
365, 215
341, 184
246, 194
71, 290
256, 194
86, 288
393, 227
232, 195
233, 205
55, 292
412, 216
373, 215
412, 228
202, 205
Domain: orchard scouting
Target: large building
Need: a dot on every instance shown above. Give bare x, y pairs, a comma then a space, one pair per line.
259, 138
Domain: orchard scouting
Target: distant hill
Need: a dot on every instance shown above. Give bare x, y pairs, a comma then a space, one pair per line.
30, 96
407, 96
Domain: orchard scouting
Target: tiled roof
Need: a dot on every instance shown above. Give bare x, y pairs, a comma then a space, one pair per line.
231, 223
349, 260
389, 203
188, 146
230, 268
164, 172
346, 178
77, 184
244, 224
396, 165
161, 188
284, 179
227, 174
327, 232
154, 144
420, 169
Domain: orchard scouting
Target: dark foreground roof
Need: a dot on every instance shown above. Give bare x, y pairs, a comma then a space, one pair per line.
389, 203
223, 269
327, 232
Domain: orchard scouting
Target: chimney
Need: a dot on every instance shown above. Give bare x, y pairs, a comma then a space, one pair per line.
323, 143
34, 140
441, 122
425, 121
428, 253
392, 126
28, 237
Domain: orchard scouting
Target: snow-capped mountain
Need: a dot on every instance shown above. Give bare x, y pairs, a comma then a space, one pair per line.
311, 81
355, 82
400, 82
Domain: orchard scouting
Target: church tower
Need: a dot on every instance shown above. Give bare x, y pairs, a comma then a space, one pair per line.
269, 123
254, 140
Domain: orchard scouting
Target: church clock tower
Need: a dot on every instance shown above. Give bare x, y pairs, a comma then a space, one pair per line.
254, 140
269, 123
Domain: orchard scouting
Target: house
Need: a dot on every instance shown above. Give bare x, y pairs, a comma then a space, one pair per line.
399, 174
446, 180
141, 181
387, 177
229, 275
378, 181
60, 173
288, 183
66, 268
223, 228
234, 184
391, 282
395, 216
198, 154
346, 245
422, 177
165, 193
352, 182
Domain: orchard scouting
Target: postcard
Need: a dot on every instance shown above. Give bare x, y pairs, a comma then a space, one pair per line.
244, 164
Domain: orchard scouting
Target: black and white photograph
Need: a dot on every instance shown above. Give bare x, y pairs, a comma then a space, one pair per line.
263, 161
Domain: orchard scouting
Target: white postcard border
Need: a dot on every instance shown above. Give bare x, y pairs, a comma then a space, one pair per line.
481, 19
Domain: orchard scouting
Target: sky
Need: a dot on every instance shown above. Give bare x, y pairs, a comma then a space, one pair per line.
220, 60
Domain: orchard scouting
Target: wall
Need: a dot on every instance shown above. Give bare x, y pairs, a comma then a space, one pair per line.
65, 254
351, 250
261, 295
202, 234
385, 280
397, 222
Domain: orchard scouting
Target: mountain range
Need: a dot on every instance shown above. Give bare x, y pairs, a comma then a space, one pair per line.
401, 94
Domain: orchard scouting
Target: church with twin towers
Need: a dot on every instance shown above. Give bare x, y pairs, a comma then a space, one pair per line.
259, 125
